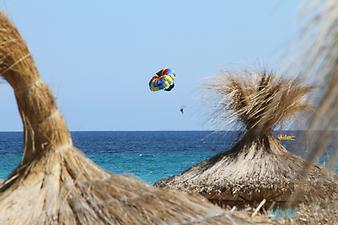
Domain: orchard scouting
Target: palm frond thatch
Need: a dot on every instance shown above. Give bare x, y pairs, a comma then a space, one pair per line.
258, 167
56, 184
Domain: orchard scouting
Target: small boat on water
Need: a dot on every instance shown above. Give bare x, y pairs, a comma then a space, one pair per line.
286, 137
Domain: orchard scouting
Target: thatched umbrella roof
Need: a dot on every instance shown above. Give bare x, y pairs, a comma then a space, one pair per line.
56, 184
258, 167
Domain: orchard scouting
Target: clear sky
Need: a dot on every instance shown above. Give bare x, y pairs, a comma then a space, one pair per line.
98, 56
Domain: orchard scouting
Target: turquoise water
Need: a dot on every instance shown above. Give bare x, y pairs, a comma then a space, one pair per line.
282, 213
149, 155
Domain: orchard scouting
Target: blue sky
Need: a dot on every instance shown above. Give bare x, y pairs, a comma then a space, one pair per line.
98, 57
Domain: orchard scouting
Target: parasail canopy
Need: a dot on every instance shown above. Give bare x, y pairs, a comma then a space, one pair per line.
162, 80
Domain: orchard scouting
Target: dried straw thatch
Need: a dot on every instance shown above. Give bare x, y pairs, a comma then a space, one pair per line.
323, 212
317, 50
258, 167
319, 59
56, 184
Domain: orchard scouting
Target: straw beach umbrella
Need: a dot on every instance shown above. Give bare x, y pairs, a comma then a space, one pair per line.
258, 167
56, 184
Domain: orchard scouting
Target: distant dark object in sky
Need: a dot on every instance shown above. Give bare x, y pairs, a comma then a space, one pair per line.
182, 109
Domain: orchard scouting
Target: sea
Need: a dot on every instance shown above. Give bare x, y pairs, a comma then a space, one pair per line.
151, 155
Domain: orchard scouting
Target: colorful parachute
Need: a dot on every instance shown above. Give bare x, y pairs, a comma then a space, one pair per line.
163, 79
